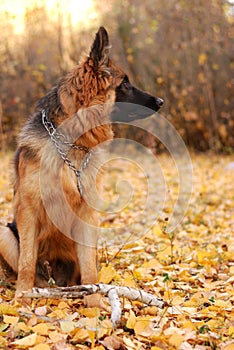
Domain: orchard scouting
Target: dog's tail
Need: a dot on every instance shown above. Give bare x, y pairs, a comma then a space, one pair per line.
9, 245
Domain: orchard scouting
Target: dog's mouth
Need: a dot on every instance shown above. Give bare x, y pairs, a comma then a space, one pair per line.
128, 112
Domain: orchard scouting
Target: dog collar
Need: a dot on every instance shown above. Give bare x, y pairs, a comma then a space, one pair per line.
62, 146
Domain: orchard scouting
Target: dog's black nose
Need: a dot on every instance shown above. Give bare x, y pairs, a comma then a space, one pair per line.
159, 101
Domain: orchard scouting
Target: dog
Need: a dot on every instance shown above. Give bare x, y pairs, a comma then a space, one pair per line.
57, 178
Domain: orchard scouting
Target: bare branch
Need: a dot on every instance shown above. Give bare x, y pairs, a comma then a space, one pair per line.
113, 292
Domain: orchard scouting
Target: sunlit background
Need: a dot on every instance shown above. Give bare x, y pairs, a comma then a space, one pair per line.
76, 11
170, 48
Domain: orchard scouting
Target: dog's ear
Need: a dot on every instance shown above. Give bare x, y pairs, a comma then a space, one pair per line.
100, 50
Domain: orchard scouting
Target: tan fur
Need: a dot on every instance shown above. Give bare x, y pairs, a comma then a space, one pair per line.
55, 229
11, 256
53, 220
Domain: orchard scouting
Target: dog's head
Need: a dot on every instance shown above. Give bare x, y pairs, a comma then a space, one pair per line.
98, 80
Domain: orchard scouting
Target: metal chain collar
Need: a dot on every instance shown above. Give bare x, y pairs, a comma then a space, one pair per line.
59, 141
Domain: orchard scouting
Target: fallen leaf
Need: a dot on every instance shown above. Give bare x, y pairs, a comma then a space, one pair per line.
41, 328
7, 309
143, 326
112, 342
107, 274
79, 335
10, 319
57, 314
131, 321
29, 340
176, 340
67, 326
40, 347
3, 327
90, 312
56, 337
41, 310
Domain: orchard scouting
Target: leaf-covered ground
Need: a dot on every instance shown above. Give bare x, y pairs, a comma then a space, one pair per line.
192, 268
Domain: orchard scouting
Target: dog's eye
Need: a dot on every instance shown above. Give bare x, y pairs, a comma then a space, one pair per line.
125, 85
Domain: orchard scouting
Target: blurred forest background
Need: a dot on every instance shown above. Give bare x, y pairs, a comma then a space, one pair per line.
176, 49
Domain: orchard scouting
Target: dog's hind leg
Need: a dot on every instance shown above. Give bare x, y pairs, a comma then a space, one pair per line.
9, 247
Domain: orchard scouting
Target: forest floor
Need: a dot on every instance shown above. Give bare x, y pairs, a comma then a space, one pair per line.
191, 267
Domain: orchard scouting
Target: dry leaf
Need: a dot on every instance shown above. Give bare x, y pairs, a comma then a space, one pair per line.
112, 342
41, 328
79, 335
56, 337
40, 347
29, 340
41, 310
176, 340
10, 319
90, 312
67, 326
131, 321
107, 274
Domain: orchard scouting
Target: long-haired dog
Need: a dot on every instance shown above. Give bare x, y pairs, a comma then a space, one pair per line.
57, 176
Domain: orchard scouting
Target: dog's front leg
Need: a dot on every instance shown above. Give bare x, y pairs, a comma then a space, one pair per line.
86, 249
28, 253
86, 237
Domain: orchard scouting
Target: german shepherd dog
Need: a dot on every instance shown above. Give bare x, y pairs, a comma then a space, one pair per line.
56, 168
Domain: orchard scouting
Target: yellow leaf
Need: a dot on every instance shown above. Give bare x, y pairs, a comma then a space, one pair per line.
151, 310
202, 58
221, 303
215, 66
56, 336
129, 343
129, 282
107, 274
10, 319
67, 326
131, 320
160, 80
177, 300
90, 312
201, 77
41, 328
231, 331
3, 343
157, 231
57, 314
81, 335
152, 264
63, 305
143, 326
176, 339
30, 340
23, 327
212, 324
130, 58
229, 347
189, 324
92, 336
104, 328
165, 254
138, 273
7, 309
41, 347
